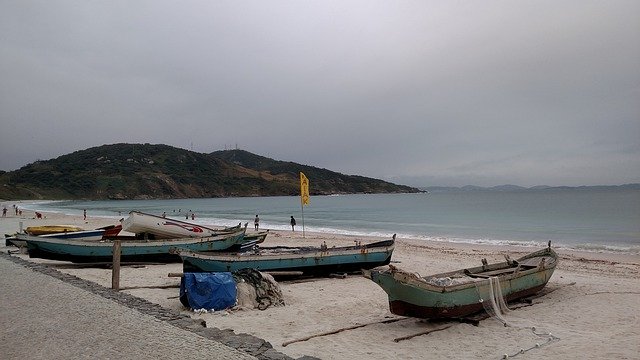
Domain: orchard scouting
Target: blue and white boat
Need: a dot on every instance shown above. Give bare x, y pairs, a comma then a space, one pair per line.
86, 235
83, 251
309, 261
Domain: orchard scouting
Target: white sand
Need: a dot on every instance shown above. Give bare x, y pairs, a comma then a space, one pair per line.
594, 311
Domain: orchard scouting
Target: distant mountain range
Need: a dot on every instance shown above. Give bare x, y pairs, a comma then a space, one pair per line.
437, 189
146, 171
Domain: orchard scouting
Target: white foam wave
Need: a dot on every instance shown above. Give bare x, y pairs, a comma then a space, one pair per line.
50, 206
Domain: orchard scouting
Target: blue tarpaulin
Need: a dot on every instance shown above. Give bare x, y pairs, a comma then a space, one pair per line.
211, 291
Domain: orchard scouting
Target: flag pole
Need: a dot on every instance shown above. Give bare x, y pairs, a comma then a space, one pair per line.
302, 209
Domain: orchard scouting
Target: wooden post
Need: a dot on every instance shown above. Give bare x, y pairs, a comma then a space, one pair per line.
115, 273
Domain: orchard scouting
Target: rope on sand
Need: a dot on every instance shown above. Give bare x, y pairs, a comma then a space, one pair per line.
550, 338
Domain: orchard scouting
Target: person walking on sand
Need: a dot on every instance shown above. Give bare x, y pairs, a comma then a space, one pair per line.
85, 214
293, 224
4, 211
256, 222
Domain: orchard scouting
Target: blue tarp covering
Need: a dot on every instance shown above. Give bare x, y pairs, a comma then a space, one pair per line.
211, 291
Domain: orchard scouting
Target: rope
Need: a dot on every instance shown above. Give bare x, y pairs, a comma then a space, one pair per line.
496, 307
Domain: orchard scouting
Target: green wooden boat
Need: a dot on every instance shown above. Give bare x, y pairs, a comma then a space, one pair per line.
308, 260
80, 251
460, 293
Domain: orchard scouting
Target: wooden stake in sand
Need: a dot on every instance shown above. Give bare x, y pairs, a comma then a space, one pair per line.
421, 333
115, 273
387, 321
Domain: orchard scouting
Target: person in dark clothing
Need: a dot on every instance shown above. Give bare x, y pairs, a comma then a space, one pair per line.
293, 224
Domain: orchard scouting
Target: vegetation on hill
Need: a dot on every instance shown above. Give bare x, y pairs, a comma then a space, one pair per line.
145, 171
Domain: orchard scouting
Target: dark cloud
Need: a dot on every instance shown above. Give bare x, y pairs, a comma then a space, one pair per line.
420, 92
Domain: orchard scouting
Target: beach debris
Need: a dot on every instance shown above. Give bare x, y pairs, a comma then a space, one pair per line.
338, 275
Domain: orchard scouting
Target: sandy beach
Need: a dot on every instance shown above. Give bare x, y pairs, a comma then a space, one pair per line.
591, 307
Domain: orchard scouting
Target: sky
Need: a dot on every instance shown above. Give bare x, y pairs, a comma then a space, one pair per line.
422, 93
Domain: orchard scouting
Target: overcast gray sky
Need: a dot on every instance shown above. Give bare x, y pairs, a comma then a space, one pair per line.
416, 92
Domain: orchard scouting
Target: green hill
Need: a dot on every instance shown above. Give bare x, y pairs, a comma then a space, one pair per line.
145, 171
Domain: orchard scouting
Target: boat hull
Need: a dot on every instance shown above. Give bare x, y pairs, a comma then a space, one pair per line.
165, 228
410, 297
111, 231
313, 262
131, 250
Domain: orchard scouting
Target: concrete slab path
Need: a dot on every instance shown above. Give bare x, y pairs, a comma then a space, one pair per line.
42, 317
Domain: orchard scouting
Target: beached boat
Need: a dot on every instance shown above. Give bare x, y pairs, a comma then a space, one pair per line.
158, 227
460, 293
51, 229
85, 235
111, 230
131, 250
251, 240
308, 260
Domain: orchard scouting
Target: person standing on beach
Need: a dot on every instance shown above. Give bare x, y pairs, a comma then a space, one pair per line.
293, 224
85, 214
256, 222
4, 211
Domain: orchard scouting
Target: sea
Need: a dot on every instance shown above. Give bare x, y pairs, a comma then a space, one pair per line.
576, 218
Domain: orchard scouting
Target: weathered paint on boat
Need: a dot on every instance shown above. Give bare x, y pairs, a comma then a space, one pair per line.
410, 295
78, 235
111, 230
131, 250
309, 261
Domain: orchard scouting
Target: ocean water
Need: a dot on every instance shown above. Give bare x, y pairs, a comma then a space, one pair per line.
593, 220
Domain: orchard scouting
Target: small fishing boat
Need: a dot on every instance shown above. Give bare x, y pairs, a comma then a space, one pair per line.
251, 240
308, 260
82, 251
51, 229
461, 293
111, 230
85, 235
158, 227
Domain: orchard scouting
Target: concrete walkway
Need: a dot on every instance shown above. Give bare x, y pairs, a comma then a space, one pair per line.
43, 317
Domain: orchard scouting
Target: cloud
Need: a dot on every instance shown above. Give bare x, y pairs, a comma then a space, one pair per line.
431, 93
